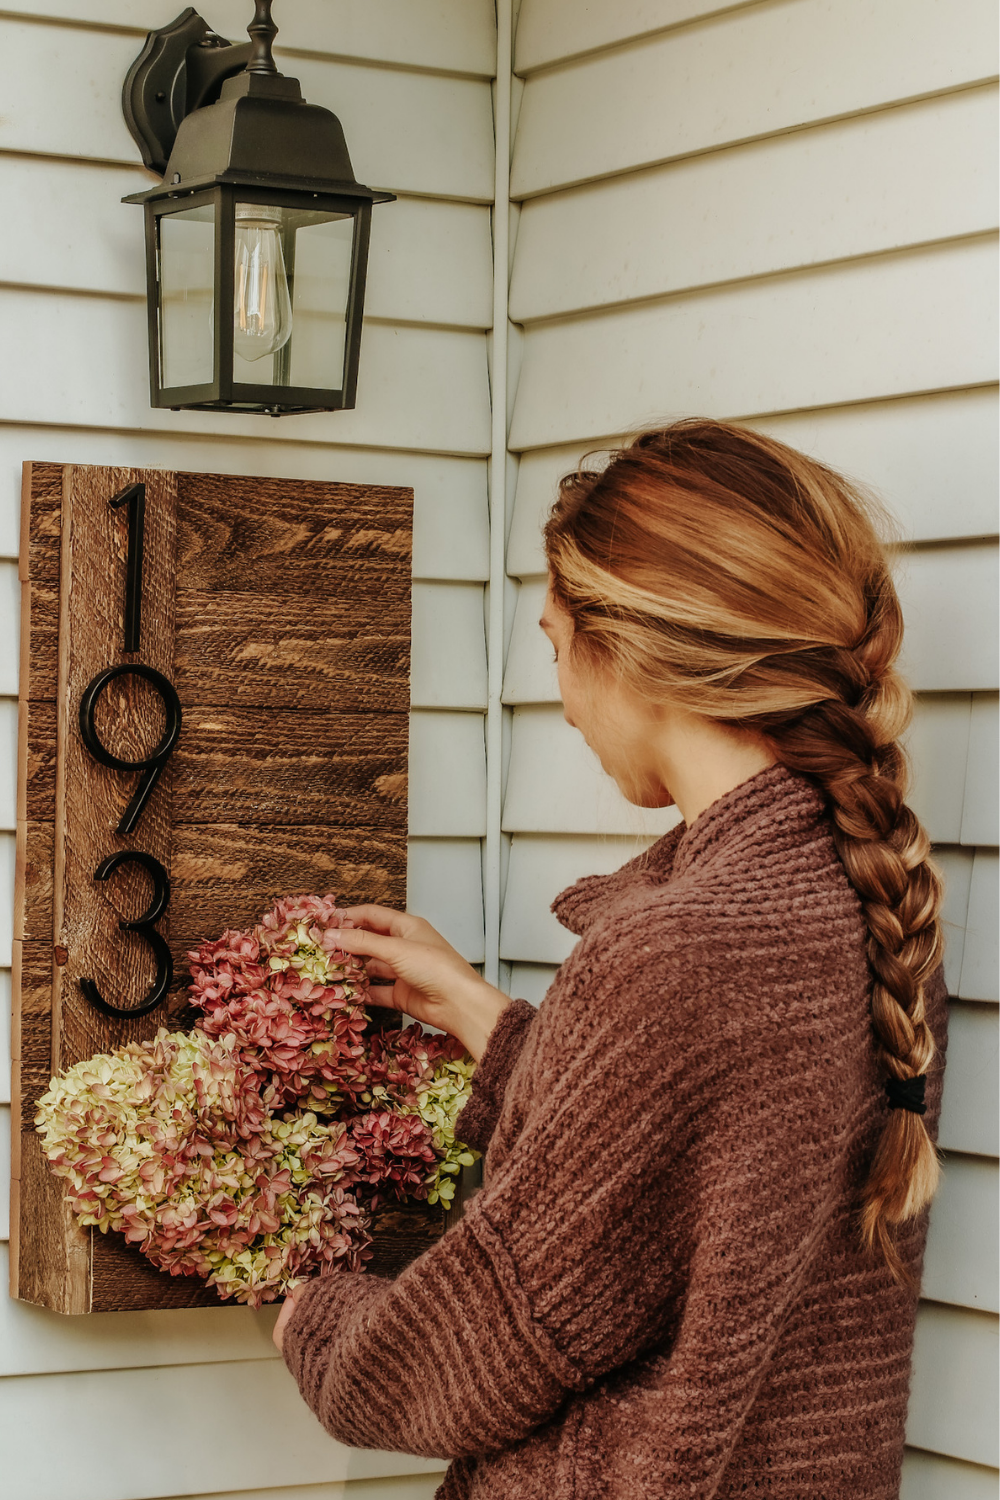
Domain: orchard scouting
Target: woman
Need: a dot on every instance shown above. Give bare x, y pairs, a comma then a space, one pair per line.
691, 1269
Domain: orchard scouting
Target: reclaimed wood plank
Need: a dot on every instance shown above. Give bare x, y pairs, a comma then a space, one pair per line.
39, 663
41, 511
31, 1033
123, 1280
38, 570
36, 788
228, 875
401, 1232
290, 612
44, 1241
239, 534
33, 887
269, 653
49, 1252
330, 769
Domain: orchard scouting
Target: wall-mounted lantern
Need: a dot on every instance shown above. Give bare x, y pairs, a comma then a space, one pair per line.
257, 239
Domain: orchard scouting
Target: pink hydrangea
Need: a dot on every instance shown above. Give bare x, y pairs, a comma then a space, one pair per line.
293, 999
253, 1150
398, 1060
396, 1155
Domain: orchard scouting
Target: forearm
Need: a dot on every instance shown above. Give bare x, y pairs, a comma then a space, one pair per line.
445, 1361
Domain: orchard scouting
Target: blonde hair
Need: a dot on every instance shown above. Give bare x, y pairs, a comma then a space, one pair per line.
719, 570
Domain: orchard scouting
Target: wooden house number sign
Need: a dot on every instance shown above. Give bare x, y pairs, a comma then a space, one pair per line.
214, 701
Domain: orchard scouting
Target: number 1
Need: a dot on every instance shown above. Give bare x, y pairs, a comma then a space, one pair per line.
135, 498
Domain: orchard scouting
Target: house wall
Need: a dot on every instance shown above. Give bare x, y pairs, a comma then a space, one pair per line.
783, 213
190, 1403
772, 211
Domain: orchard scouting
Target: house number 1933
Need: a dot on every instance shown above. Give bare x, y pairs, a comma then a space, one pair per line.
149, 769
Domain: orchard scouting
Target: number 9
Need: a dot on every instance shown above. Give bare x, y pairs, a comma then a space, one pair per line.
153, 764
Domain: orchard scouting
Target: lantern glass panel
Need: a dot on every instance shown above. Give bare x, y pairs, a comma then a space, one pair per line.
186, 249
291, 289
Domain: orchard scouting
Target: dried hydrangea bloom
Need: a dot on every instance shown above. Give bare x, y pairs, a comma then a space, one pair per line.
252, 1150
396, 1155
233, 962
296, 937
170, 1143
283, 1219
292, 997
125, 1126
440, 1100
400, 1060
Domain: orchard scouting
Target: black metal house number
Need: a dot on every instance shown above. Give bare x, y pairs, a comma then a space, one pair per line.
149, 769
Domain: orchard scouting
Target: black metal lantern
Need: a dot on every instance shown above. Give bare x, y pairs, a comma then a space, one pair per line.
257, 239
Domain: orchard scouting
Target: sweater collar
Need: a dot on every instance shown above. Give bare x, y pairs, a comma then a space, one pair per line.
772, 805
772, 802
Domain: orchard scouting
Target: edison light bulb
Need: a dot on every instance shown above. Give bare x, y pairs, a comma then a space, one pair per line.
262, 312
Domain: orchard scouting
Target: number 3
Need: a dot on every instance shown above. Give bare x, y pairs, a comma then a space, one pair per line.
144, 926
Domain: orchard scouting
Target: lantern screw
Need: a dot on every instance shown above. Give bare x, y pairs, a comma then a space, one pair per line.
262, 32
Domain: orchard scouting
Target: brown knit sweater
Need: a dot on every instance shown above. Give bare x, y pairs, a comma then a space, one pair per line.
659, 1292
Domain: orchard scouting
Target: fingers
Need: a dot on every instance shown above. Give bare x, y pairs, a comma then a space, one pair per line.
397, 924
379, 919
377, 969
284, 1315
368, 944
385, 996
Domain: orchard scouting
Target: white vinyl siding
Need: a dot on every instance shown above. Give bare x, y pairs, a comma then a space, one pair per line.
783, 213
414, 95
779, 212
741, 75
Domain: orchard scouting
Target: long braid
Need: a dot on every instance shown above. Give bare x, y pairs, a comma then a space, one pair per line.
718, 571
886, 854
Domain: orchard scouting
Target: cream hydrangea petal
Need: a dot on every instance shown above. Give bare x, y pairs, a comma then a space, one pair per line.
252, 1150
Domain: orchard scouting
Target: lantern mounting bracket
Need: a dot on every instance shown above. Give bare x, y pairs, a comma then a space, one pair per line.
181, 67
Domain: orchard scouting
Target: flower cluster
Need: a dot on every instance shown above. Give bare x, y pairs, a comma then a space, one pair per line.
253, 1150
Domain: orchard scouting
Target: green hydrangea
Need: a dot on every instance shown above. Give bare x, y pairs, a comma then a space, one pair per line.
440, 1100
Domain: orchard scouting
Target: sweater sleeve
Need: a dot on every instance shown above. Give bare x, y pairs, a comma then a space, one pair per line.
560, 1271
477, 1121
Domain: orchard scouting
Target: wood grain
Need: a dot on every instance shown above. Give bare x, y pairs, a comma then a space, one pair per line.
50, 1254
292, 651
31, 1034
336, 770
245, 535
292, 594
37, 754
39, 657
41, 522
123, 1280
281, 611
45, 1242
401, 1232
33, 882
228, 875
38, 570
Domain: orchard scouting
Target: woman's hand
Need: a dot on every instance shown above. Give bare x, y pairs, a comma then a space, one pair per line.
424, 975
287, 1308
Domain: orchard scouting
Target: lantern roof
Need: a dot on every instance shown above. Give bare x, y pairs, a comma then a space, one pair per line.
261, 133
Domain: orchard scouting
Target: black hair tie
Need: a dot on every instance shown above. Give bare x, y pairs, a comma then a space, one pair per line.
907, 1093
